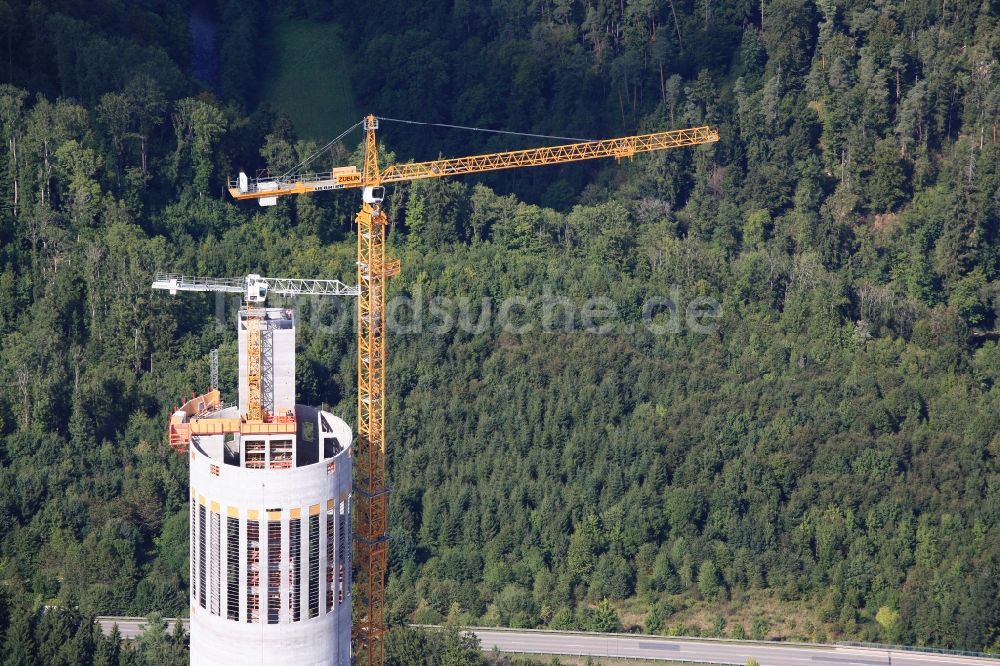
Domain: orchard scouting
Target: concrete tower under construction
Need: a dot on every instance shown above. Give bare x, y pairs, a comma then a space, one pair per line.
270, 512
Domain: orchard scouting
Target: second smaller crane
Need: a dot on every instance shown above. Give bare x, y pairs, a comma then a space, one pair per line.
255, 290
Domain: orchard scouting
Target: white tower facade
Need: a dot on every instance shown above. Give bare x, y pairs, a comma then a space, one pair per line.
270, 517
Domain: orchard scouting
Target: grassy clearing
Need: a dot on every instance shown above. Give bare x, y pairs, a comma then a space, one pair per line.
784, 620
308, 76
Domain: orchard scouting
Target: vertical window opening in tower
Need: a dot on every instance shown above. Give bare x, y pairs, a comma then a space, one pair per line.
194, 551
294, 568
273, 571
216, 545
201, 555
341, 551
281, 454
255, 454
313, 566
253, 571
233, 569
331, 557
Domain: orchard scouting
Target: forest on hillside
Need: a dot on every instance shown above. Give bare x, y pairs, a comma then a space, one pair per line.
822, 464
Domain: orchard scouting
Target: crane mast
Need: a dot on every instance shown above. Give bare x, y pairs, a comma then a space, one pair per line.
255, 353
374, 268
371, 488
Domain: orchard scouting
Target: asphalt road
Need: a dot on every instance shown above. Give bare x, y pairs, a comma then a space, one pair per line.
710, 651
659, 648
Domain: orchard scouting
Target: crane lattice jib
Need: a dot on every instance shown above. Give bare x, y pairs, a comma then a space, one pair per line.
348, 178
573, 152
283, 286
174, 282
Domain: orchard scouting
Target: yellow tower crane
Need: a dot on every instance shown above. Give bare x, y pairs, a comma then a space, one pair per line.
374, 268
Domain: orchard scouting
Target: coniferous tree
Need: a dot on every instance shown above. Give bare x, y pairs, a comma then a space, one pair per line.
19, 643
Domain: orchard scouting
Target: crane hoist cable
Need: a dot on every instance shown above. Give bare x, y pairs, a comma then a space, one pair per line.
312, 158
483, 129
298, 168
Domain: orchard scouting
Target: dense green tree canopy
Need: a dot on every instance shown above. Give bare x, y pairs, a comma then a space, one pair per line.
826, 439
